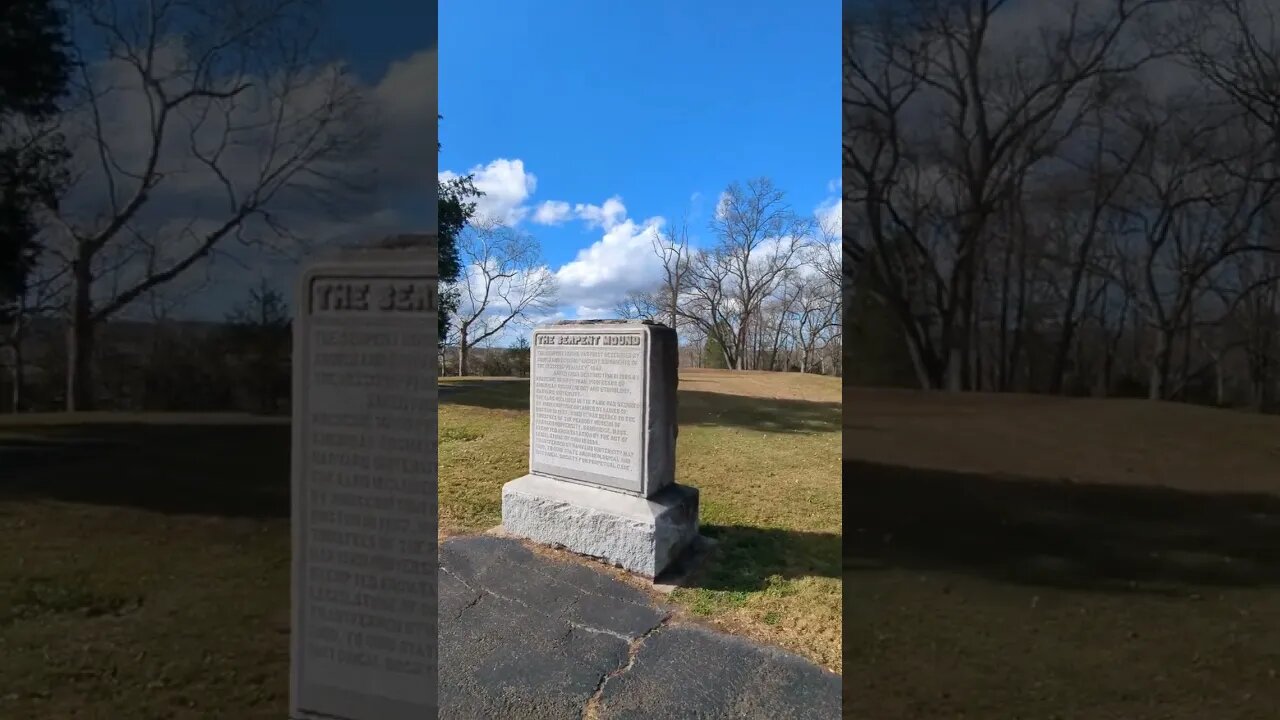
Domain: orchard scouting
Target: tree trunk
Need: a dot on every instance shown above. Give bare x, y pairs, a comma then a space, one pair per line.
1002, 366
80, 337
17, 374
1158, 377
463, 350
926, 372
955, 369
1220, 388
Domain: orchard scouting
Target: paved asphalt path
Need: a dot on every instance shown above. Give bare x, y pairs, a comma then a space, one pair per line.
525, 637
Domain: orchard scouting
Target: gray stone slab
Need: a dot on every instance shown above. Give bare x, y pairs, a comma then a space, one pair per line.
689, 672
602, 404
642, 535
524, 636
364, 492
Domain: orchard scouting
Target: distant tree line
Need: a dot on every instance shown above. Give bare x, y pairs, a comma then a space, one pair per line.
1068, 197
764, 295
239, 364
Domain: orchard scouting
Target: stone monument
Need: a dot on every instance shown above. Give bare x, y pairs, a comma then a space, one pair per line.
364, 486
602, 441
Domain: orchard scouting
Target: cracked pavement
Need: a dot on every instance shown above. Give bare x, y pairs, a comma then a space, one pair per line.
522, 636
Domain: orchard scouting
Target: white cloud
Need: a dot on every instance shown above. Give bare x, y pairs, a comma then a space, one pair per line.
605, 216
506, 186
722, 205
830, 215
552, 212
619, 262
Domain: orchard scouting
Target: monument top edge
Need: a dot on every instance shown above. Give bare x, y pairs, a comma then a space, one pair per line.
603, 321
419, 247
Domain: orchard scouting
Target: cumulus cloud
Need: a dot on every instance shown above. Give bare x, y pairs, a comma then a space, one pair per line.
606, 216
506, 186
622, 260
552, 212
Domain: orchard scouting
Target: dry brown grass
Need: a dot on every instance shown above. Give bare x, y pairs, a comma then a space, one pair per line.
1016, 556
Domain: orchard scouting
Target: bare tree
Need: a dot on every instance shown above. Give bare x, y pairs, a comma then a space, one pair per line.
814, 317
639, 305
503, 282
192, 95
760, 240
992, 113
672, 250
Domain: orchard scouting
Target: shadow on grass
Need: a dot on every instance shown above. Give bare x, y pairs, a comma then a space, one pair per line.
208, 469
747, 558
695, 407
1064, 535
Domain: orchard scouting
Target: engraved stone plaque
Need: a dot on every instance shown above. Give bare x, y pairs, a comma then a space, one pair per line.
602, 405
602, 441
364, 488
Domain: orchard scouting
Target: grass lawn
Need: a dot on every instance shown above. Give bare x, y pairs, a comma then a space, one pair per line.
762, 448
1030, 557
144, 558
144, 568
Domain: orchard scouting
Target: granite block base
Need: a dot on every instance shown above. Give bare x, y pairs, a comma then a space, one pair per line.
642, 535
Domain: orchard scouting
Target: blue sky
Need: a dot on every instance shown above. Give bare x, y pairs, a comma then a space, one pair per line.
657, 104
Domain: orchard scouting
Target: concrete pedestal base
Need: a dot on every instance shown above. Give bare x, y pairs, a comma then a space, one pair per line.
642, 535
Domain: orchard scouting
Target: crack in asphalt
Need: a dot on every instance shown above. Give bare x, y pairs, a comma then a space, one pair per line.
486, 591
591, 710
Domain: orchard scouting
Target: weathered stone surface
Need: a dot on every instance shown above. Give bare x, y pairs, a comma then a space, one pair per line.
643, 535
364, 489
602, 399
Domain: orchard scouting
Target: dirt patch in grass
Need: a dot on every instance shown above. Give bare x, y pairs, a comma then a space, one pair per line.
1014, 556
762, 448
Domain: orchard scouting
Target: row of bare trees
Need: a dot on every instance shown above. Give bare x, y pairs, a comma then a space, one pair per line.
765, 295
1065, 197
